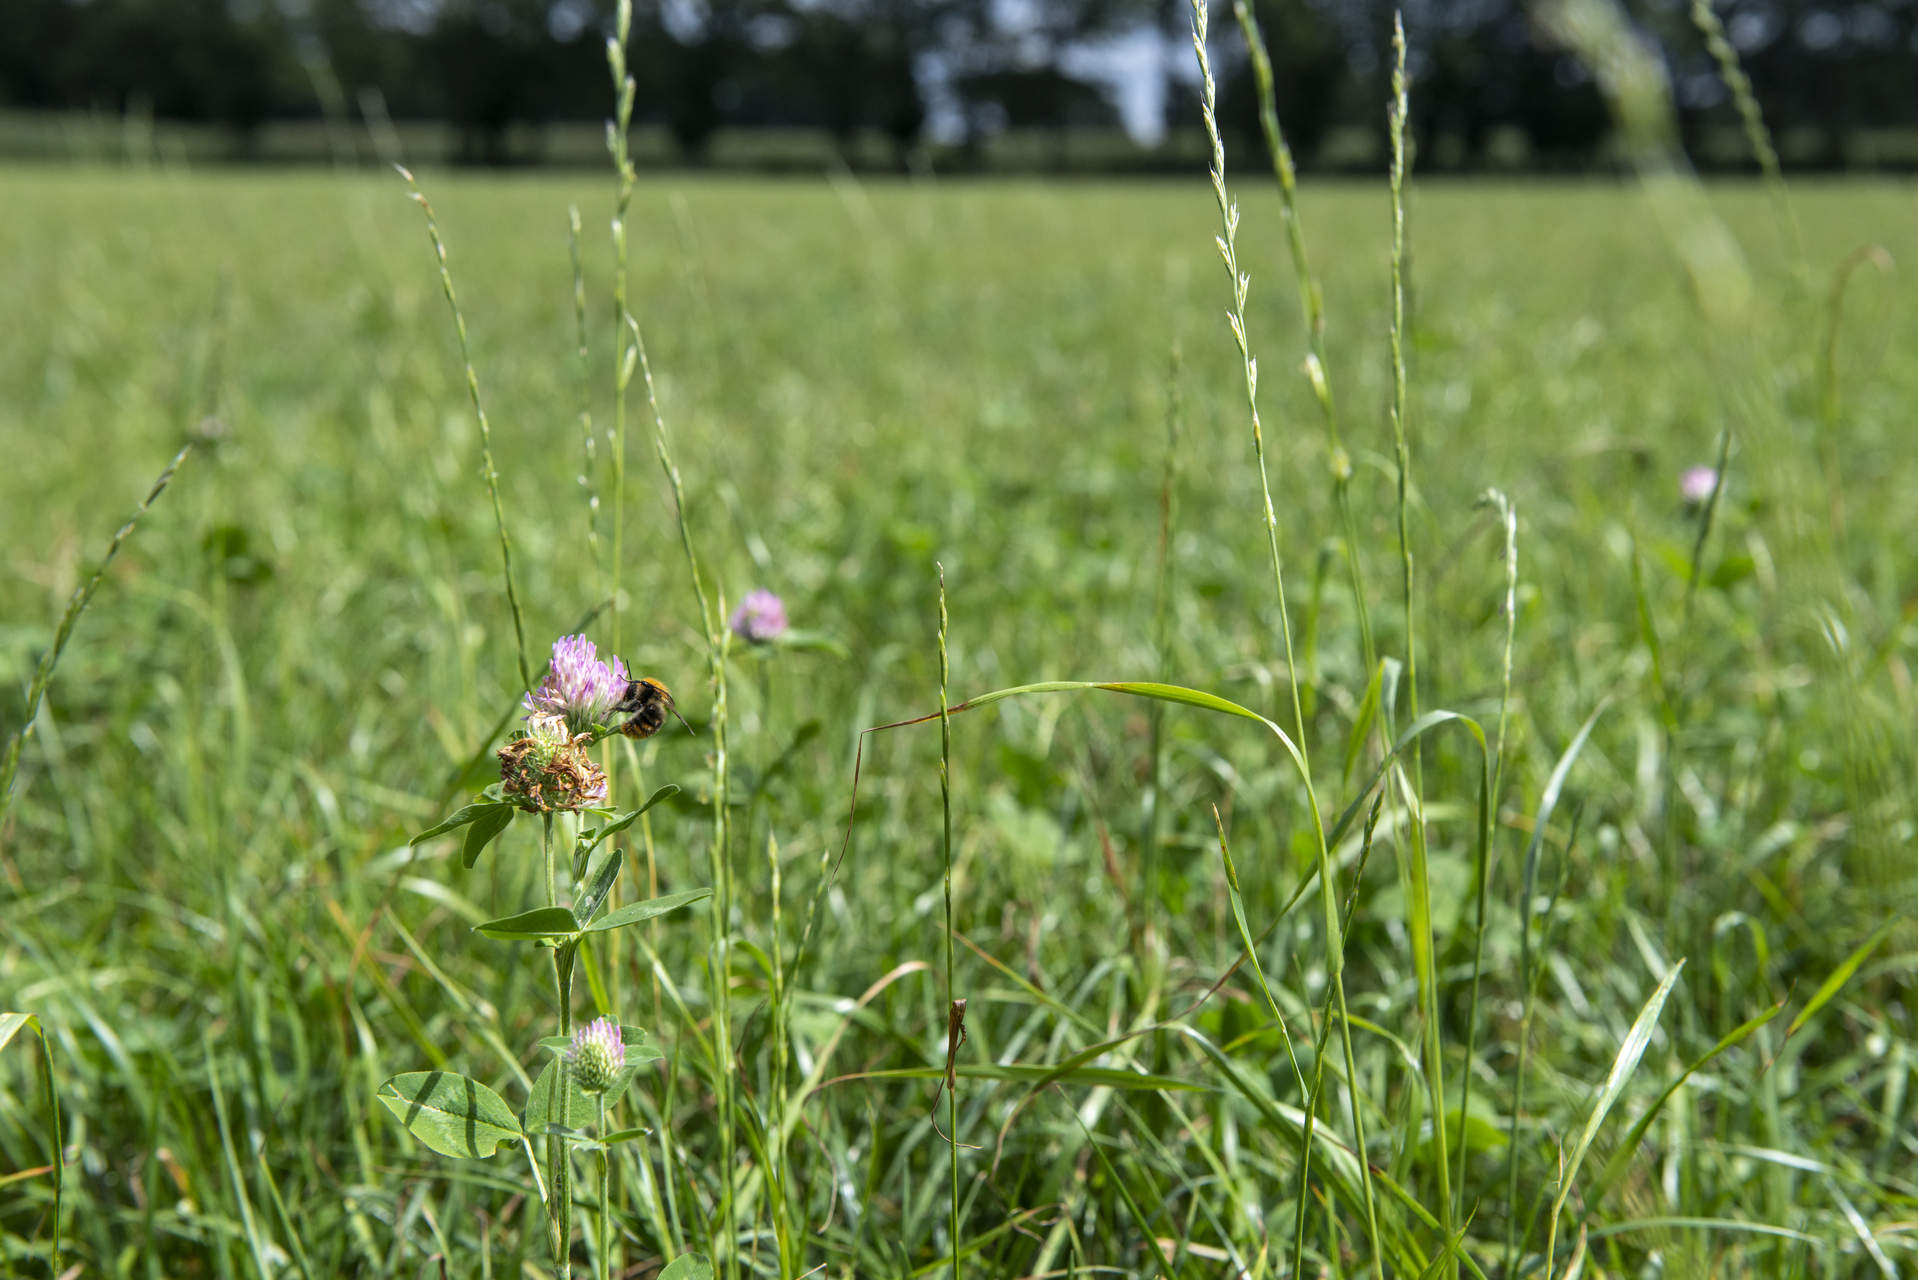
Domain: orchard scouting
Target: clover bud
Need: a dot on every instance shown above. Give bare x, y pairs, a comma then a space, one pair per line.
597, 1055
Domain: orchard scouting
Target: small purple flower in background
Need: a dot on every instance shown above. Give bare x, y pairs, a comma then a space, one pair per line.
549, 768
1696, 485
597, 1055
760, 617
578, 686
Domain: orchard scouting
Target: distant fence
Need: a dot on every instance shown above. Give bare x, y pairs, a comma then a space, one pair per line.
99, 138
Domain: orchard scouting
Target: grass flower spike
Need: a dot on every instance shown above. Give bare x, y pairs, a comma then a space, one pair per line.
578, 687
597, 1055
548, 768
760, 617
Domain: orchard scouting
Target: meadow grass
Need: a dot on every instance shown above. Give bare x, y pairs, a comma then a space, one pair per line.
1699, 858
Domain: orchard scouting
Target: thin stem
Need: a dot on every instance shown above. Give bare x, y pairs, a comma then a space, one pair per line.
1312, 311
1422, 942
605, 1192
557, 1154
1161, 644
1756, 134
624, 92
945, 800
486, 431
547, 859
1508, 521
76, 605
588, 475
1241, 282
632, 354
776, 1172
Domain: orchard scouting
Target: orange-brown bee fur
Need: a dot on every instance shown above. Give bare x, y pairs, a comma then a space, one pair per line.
646, 704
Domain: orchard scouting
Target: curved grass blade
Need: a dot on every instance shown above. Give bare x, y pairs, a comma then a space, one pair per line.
1102, 1077
1125, 1194
10, 1026
1629, 1054
1841, 975
1252, 951
1621, 1159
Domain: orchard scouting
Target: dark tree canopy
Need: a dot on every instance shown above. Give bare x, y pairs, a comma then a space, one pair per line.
1486, 77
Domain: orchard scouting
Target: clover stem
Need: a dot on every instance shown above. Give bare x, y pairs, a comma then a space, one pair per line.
605, 1193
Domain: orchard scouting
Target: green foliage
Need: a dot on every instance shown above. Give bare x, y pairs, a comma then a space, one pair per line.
209, 843
451, 1114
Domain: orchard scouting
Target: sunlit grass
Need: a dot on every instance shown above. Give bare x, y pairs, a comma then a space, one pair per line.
209, 896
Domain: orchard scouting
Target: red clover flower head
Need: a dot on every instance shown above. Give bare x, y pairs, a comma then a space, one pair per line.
578, 686
1696, 485
596, 1056
760, 617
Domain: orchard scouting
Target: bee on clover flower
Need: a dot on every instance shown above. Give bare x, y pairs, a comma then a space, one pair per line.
548, 767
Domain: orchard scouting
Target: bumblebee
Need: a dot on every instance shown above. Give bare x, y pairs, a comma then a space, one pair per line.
646, 703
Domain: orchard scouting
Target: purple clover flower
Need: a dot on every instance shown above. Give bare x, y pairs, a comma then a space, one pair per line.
760, 617
578, 686
596, 1055
1697, 484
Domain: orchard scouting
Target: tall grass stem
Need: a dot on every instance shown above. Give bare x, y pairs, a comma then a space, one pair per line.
485, 429
945, 803
1328, 891
1423, 942
76, 605
1316, 367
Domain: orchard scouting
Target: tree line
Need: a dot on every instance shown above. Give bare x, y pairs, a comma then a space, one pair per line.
1487, 76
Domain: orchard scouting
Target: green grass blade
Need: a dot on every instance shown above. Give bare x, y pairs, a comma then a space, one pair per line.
1623, 1066
10, 1025
1841, 975
1621, 1159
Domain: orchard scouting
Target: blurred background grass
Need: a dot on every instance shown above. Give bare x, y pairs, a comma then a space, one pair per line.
205, 873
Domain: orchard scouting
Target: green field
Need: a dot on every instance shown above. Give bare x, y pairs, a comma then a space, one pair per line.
211, 907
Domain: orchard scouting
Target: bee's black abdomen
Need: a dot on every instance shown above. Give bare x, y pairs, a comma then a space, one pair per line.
646, 702
646, 721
